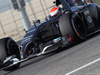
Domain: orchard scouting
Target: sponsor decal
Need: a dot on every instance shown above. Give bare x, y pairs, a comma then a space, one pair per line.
89, 19
86, 12
70, 38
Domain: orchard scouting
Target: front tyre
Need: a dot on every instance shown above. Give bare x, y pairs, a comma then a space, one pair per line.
8, 47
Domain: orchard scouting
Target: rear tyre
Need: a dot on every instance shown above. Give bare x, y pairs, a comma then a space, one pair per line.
79, 28
9, 47
68, 28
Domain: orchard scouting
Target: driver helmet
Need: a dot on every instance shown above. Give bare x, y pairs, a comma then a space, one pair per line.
55, 11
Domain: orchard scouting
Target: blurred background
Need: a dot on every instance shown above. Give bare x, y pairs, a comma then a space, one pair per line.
10, 21
97, 1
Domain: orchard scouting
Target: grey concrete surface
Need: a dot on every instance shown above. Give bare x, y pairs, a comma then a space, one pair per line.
63, 61
93, 69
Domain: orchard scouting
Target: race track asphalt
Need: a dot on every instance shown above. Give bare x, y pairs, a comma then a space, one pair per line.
63, 61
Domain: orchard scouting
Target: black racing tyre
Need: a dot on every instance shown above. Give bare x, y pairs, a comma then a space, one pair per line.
66, 28
65, 25
79, 28
9, 47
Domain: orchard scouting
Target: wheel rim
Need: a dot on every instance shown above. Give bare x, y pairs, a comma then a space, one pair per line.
79, 28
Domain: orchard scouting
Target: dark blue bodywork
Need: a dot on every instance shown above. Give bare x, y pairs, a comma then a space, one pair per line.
43, 32
54, 28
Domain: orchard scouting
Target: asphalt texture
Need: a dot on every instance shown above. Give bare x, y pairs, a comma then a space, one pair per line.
63, 61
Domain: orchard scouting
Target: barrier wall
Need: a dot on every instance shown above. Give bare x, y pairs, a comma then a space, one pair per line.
10, 21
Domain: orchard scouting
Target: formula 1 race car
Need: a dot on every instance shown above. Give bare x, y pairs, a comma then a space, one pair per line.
77, 21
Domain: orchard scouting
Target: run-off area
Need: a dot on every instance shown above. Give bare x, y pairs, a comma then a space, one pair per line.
92, 68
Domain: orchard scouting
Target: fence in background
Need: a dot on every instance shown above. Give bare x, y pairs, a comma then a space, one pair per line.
10, 22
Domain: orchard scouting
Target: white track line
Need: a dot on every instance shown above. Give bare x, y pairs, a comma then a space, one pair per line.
83, 67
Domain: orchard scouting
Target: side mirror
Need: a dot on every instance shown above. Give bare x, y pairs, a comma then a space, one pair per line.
91, 1
36, 22
54, 2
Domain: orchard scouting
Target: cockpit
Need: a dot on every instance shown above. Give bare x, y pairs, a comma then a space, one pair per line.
75, 2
